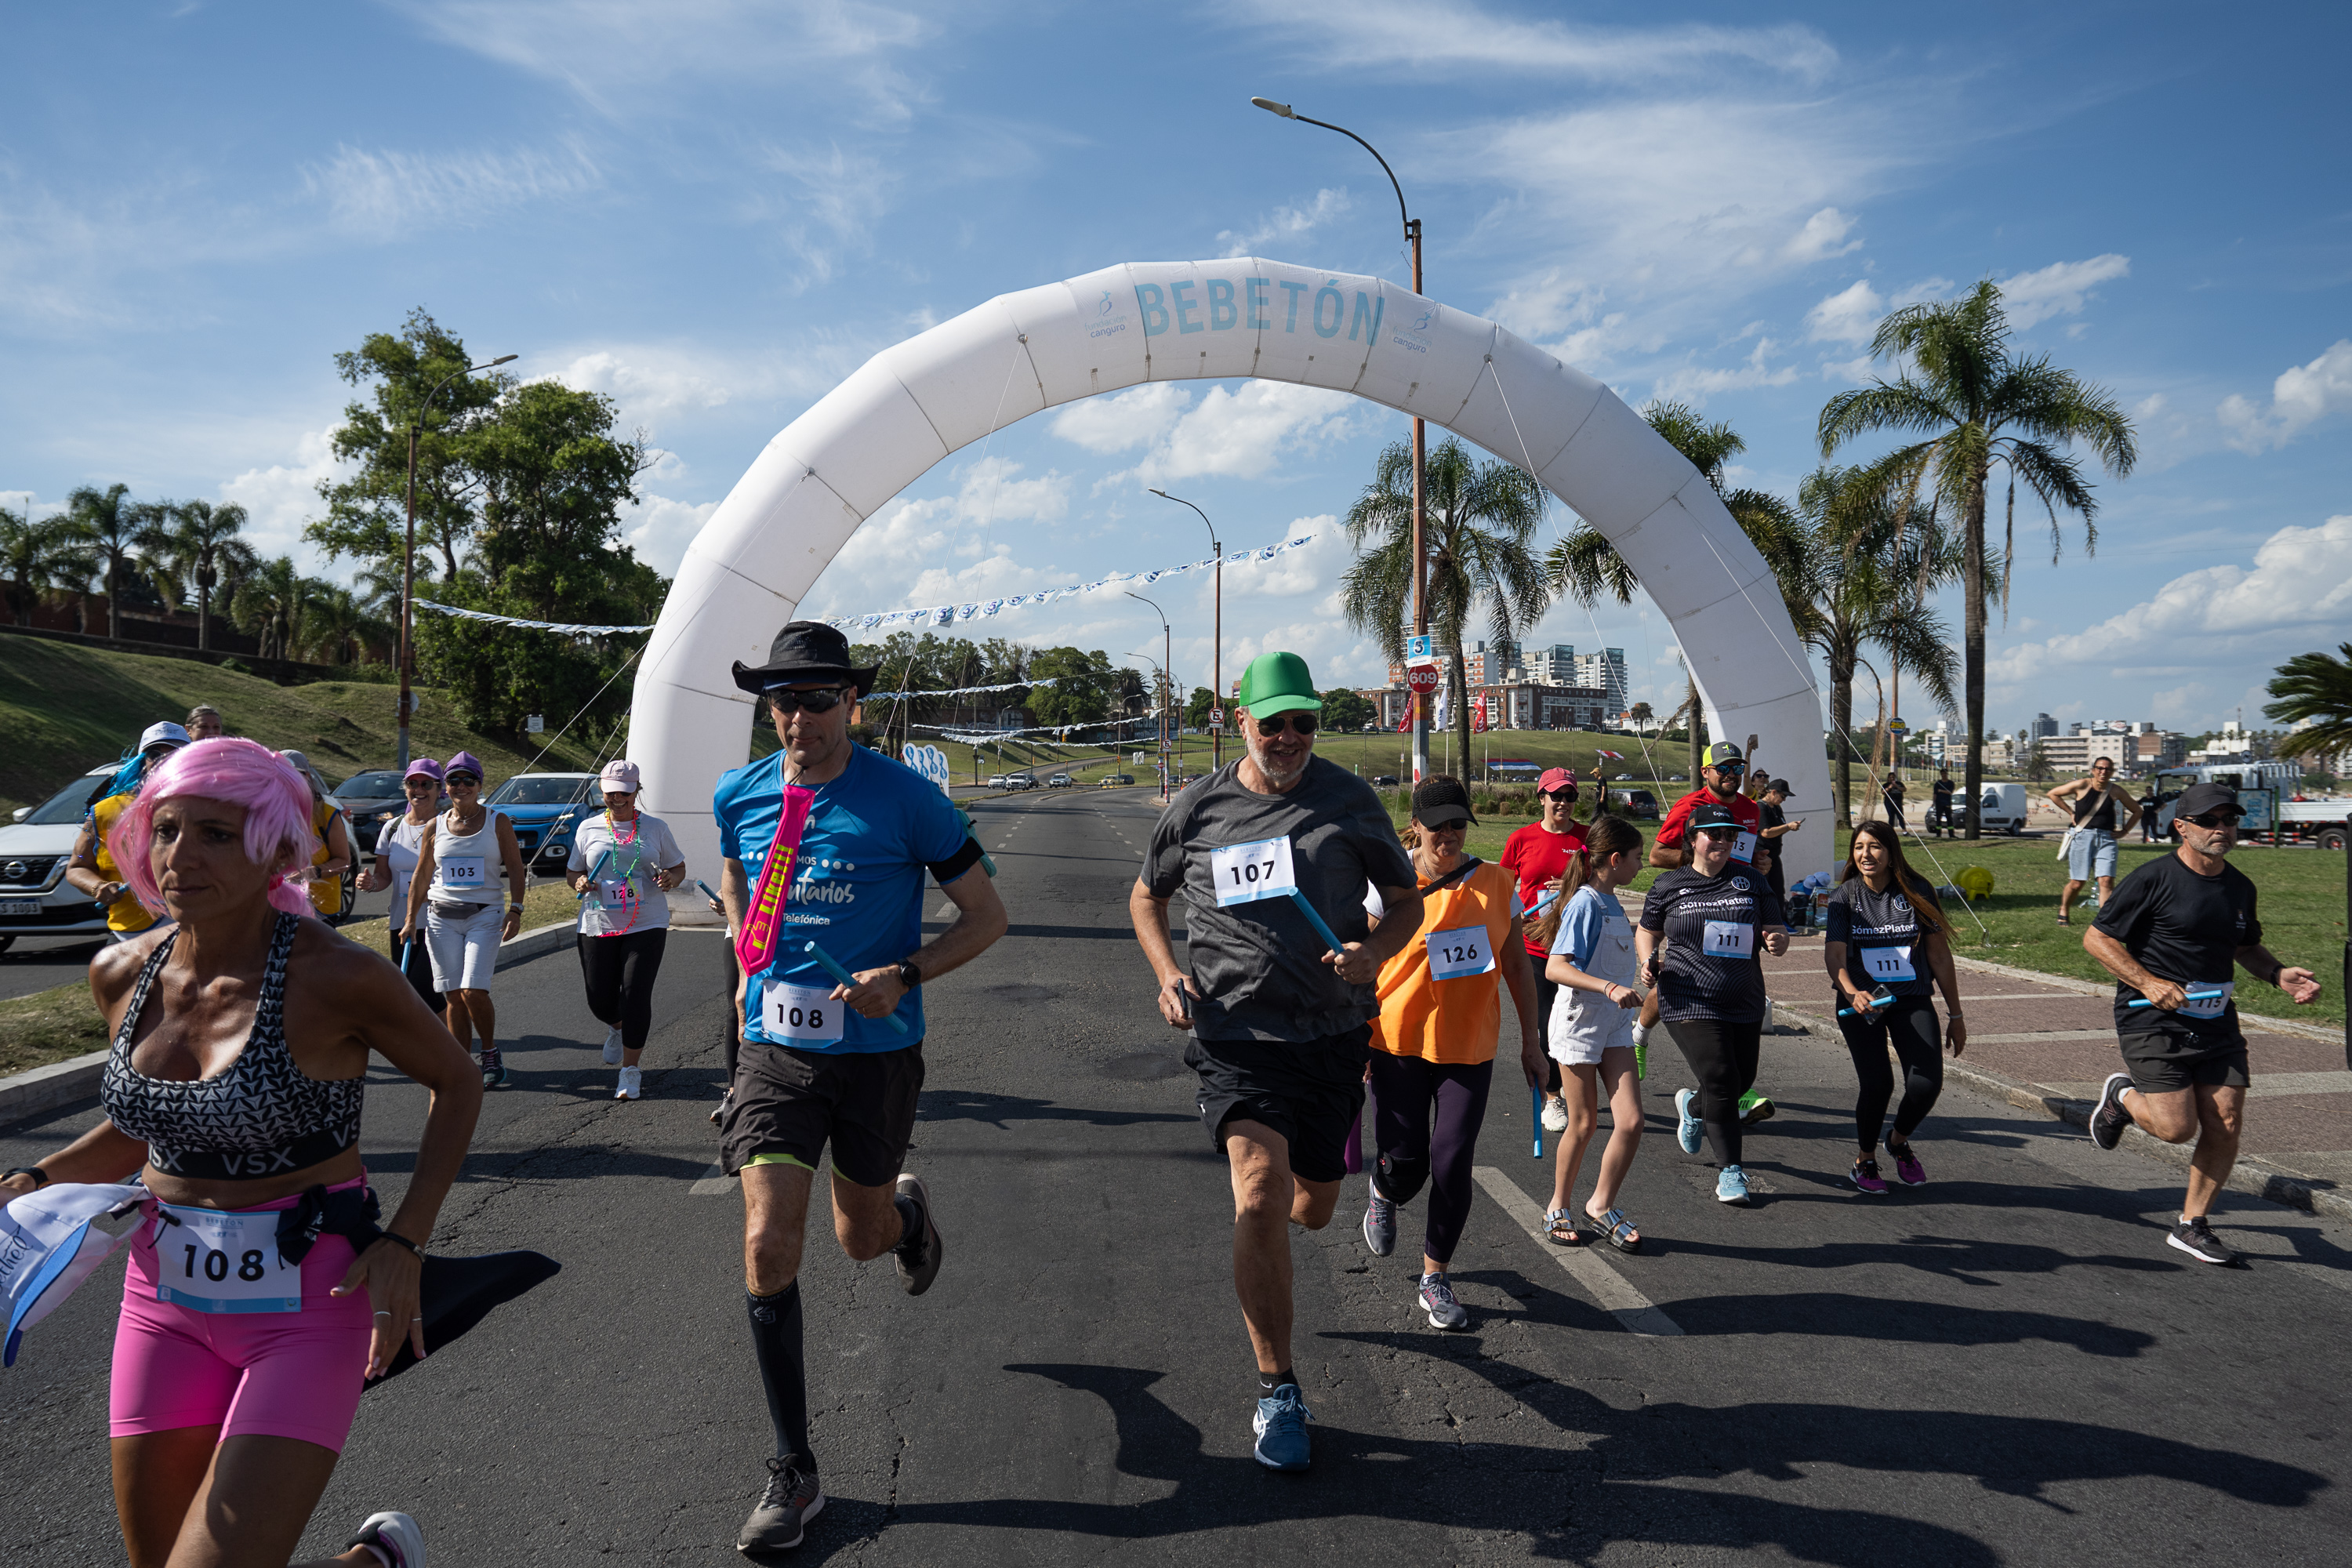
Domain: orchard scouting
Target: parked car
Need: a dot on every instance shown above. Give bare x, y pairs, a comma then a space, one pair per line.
996, 781
545, 808
369, 800
35, 898
1113, 780
1624, 778
1676, 778
1020, 781
1060, 781
1636, 803
1384, 781
2001, 809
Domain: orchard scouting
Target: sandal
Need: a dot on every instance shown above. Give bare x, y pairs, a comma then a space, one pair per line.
1561, 1229
1617, 1230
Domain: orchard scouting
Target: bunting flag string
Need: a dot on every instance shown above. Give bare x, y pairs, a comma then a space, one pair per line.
957, 691
949, 615
529, 626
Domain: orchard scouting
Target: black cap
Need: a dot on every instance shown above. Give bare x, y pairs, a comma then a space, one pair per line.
1440, 801
2199, 798
1710, 815
806, 650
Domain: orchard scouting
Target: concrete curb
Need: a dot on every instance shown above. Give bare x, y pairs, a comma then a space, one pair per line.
2253, 1174
62, 1083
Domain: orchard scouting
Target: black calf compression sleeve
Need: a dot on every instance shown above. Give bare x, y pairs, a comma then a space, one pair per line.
776, 1336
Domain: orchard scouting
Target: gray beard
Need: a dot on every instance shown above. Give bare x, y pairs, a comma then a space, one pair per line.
1275, 776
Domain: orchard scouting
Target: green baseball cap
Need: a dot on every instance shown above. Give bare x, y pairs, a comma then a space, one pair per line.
1277, 683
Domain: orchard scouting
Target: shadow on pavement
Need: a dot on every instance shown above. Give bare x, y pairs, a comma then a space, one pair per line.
1001, 1110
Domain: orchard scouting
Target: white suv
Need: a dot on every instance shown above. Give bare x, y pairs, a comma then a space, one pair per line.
36, 899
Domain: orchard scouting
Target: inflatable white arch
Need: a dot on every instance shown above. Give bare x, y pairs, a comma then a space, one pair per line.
912, 404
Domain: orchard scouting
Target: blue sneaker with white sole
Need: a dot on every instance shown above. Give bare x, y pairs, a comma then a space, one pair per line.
1689, 1133
1281, 1426
1731, 1186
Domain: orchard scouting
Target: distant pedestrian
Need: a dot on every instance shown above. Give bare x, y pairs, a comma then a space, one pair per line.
1939, 802
333, 855
2099, 808
397, 846
454, 898
1773, 825
1537, 855
1892, 790
2150, 810
204, 722
623, 864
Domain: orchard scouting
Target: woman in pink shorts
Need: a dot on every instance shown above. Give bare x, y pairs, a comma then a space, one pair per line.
261, 1293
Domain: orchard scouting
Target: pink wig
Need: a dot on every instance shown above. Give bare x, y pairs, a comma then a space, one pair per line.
276, 801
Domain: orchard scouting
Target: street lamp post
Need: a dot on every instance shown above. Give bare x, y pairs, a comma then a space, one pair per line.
1420, 436
1167, 682
1216, 638
408, 553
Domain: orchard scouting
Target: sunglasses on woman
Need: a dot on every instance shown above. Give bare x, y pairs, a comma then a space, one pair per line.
1720, 834
821, 700
462, 780
1304, 723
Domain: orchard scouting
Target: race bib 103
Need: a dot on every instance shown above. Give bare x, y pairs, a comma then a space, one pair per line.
463, 872
804, 1014
216, 1262
1247, 872
1458, 955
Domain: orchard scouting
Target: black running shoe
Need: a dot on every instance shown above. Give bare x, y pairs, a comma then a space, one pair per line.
2195, 1237
919, 1260
790, 1500
2108, 1118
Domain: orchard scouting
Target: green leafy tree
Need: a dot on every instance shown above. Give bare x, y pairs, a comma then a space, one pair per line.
1343, 710
268, 604
1087, 689
1585, 566
1480, 540
1978, 406
200, 550
2316, 686
337, 627
1197, 706
2038, 767
34, 557
118, 533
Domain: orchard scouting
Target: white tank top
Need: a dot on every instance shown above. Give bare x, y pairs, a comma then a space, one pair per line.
466, 866
398, 845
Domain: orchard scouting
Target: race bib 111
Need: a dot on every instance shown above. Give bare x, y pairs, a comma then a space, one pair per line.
1729, 939
1887, 964
1247, 872
216, 1262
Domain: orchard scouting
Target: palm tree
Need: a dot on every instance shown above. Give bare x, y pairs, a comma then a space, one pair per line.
2316, 687
1870, 563
34, 557
1480, 533
269, 604
338, 626
119, 532
202, 550
1585, 565
1966, 393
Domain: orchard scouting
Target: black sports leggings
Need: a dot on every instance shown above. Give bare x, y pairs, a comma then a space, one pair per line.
1405, 1090
1910, 1023
1724, 1056
418, 967
620, 973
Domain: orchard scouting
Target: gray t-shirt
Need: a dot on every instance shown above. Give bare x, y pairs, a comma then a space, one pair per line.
1259, 964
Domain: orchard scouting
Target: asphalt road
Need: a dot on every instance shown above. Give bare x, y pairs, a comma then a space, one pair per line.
2005, 1366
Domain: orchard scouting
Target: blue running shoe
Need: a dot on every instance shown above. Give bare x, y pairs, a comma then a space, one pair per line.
1281, 1427
1689, 1133
1731, 1186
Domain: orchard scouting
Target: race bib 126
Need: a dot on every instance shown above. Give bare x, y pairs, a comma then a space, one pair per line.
215, 1262
1887, 964
1729, 939
1247, 872
805, 1014
1458, 955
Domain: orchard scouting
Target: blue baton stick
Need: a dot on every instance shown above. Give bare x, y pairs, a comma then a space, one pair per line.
593, 872
1316, 921
2185, 996
838, 973
1535, 1099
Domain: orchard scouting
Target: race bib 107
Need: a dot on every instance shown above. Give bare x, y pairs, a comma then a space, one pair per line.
1247, 872
216, 1262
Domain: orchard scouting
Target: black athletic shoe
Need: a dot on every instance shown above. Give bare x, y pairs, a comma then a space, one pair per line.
2108, 1118
2196, 1238
919, 1260
790, 1500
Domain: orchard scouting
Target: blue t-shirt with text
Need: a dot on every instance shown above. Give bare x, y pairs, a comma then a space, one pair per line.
857, 886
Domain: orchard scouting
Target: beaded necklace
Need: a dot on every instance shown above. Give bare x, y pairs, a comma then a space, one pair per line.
634, 844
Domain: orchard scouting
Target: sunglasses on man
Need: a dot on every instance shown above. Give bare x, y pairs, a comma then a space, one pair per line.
1305, 723
824, 700
1729, 769
2211, 819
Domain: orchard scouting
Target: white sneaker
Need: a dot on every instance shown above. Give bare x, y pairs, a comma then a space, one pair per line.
394, 1537
613, 1049
1555, 1114
628, 1089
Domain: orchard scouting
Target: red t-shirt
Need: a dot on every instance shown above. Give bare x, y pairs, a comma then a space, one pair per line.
1536, 857
1743, 810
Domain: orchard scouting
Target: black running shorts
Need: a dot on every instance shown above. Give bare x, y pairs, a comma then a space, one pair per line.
789, 1104
2163, 1062
1309, 1092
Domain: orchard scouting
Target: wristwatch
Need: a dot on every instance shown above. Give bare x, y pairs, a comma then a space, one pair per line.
908, 975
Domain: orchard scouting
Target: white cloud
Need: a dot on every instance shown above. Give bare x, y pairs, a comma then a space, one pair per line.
1820, 238
2302, 395
1241, 432
2300, 584
1136, 417
1849, 315
388, 196
2062, 289
1288, 224
659, 529
280, 499
1696, 383
937, 549
1439, 37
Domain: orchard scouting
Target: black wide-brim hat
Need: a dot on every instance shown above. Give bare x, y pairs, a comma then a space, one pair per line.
806, 650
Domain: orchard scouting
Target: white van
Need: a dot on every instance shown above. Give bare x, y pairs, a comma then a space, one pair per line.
2001, 809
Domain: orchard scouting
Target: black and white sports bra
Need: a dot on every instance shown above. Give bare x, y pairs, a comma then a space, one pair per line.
263, 1117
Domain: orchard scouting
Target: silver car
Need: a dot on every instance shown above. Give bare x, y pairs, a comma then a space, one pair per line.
36, 899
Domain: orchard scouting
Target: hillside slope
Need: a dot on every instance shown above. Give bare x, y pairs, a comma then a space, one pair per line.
64, 709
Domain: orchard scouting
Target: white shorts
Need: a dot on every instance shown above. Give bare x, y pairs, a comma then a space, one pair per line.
1584, 1025
464, 948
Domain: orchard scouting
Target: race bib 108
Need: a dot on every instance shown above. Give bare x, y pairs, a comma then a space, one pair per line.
1247, 872
1458, 955
216, 1262
805, 1014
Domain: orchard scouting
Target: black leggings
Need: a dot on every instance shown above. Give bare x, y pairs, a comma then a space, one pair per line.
1405, 1090
1909, 1022
620, 973
418, 967
1724, 1056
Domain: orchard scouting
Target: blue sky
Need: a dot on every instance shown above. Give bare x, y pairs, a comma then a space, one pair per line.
714, 212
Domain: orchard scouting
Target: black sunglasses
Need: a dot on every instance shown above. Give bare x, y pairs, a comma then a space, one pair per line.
1717, 830
1305, 723
2216, 819
823, 700
1565, 796
454, 780
1729, 769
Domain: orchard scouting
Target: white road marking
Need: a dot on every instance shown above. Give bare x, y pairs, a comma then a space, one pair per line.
1636, 1313
715, 1183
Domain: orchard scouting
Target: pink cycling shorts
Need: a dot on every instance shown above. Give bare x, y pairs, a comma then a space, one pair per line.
278, 1374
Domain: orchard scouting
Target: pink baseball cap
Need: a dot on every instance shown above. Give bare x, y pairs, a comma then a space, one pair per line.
1556, 778
619, 776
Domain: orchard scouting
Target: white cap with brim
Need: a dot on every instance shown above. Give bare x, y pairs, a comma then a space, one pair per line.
164, 735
